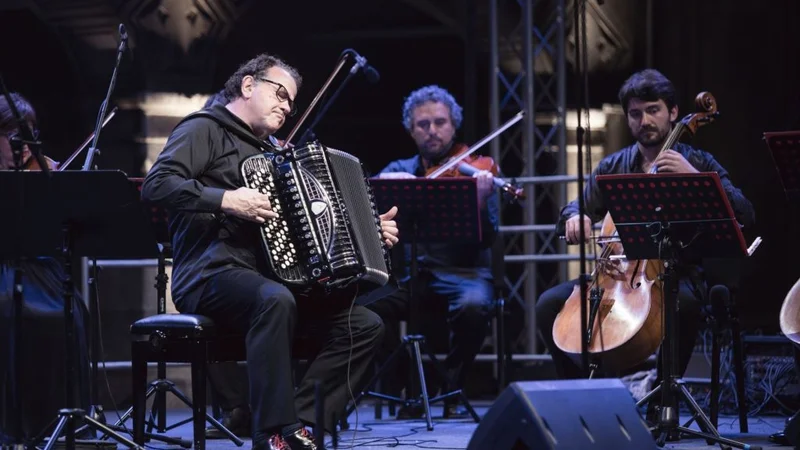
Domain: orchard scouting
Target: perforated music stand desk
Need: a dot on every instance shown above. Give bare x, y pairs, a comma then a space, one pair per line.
675, 218
699, 214
784, 146
157, 216
444, 210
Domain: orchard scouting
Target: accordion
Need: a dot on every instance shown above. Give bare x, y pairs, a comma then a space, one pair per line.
328, 229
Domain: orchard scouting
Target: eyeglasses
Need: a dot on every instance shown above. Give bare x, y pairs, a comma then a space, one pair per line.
15, 133
283, 95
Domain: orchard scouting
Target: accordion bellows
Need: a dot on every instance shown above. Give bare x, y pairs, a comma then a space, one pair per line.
328, 229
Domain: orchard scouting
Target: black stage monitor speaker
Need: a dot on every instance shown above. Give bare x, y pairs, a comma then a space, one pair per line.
563, 414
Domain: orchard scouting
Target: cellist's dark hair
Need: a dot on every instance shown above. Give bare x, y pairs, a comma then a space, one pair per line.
648, 85
8, 121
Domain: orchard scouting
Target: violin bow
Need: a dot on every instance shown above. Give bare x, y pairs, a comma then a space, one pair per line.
477, 145
77, 152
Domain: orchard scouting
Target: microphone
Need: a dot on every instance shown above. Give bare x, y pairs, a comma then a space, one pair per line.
370, 73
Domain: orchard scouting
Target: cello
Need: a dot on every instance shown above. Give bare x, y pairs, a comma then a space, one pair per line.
626, 314
790, 312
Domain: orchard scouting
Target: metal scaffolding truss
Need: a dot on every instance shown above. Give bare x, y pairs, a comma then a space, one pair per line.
534, 153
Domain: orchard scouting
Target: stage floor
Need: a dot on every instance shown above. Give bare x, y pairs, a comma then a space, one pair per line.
453, 434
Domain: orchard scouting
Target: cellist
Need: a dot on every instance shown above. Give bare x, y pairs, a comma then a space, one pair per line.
454, 279
648, 99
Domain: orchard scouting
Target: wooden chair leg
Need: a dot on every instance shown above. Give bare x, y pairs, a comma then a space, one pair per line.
199, 373
139, 353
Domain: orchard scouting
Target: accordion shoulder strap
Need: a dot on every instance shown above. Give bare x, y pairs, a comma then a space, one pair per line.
248, 137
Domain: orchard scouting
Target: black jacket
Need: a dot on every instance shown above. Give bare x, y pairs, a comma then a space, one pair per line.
199, 163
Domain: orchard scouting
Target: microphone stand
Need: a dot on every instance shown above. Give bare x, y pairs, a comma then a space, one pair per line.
17, 145
316, 99
309, 135
585, 326
95, 409
93, 150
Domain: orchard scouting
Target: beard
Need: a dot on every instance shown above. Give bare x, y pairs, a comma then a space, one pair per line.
435, 150
651, 137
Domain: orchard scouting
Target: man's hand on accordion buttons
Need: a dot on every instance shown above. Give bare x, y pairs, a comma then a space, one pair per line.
389, 227
248, 204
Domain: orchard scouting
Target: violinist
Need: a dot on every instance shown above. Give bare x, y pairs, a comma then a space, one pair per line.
648, 99
42, 386
454, 280
220, 271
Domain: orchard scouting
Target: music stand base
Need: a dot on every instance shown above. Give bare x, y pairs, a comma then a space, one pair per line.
162, 387
414, 344
668, 418
70, 419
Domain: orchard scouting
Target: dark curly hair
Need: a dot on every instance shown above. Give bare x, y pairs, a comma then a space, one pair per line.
648, 85
257, 66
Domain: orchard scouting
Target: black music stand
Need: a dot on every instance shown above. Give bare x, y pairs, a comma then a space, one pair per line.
674, 218
73, 214
433, 211
784, 146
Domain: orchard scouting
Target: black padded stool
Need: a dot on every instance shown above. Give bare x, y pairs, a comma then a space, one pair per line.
185, 338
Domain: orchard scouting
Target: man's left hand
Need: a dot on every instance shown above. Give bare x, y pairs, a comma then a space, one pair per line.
485, 184
672, 161
389, 227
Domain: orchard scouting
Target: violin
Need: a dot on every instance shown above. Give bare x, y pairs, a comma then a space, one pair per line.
33, 164
461, 160
625, 315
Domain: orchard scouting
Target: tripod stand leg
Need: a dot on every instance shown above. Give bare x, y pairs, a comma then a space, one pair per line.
424, 387
459, 392
109, 432
57, 432
648, 396
378, 375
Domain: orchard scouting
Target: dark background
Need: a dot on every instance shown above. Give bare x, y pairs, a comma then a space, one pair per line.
746, 55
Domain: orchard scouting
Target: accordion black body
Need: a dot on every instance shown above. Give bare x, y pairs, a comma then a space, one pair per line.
328, 229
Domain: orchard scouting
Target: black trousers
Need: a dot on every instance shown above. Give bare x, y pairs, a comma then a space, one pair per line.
341, 338
552, 301
463, 301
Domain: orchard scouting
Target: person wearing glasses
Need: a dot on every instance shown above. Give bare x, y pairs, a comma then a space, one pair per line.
41, 386
220, 270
